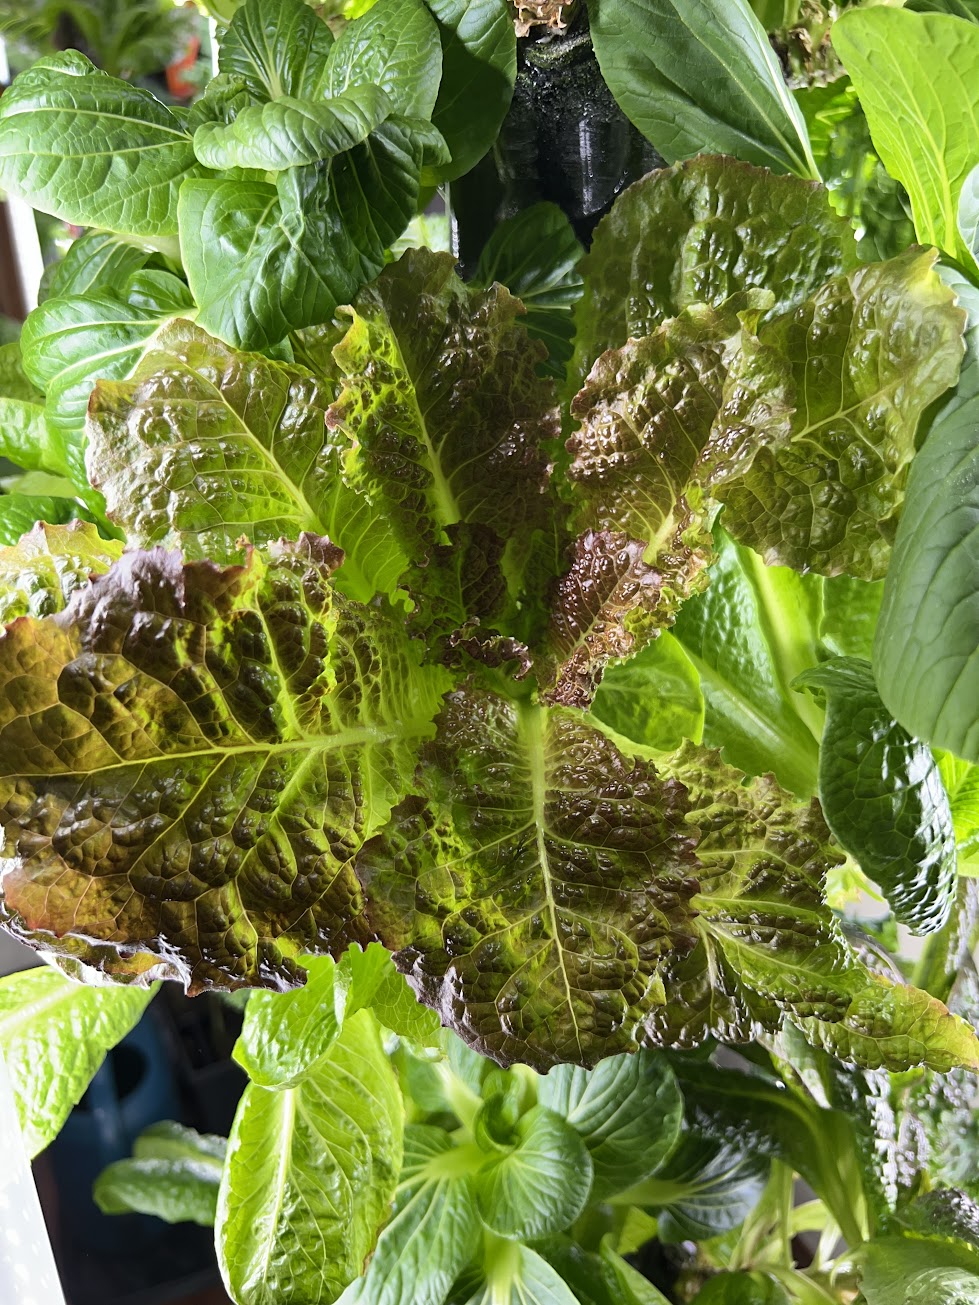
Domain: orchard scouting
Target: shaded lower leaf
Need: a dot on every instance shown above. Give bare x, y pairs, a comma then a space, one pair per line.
882, 795
174, 1174
655, 698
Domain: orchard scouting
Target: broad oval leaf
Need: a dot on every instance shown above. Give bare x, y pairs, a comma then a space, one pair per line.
310, 1174
194, 754
93, 150
882, 794
628, 1111
98, 262
521, 1277
699, 76
54, 1034
926, 654
395, 45
540, 1185
174, 1174
276, 47
287, 132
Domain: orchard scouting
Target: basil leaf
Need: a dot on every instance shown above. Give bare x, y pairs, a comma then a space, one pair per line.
628, 1111
700, 77
313, 1167
65, 128
54, 1034
882, 795
541, 1184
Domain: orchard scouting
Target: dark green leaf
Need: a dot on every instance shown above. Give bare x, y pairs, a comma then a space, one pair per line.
741, 1289
276, 47
536, 255
93, 150
395, 46
707, 1187
882, 795
479, 67
628, 1110
698, 78
54, 1034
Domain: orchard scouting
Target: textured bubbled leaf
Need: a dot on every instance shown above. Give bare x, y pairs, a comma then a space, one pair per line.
191, 758
174, 1174
818, 426
628, 1111
276, 47
698, 77
39, 573
916, 78
440, 394
93, 150
204, 445
882, 794
395, 46
479, 67
926, 655
288, 132
433, 1232
310, 1175
54, 1034
603, 610
699, 234
536, 889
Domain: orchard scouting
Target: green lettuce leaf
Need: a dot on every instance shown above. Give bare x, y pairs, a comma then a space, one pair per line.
204, 445
98, 262
54, 1034
961, 783
174, 1174
93, 150
312, 1168
916, 77
904, 1270
516, 1275
655, 699
701, 233
40, 572
700, 77
882, 794
194, 755
19, 512
394, 46
275, 48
